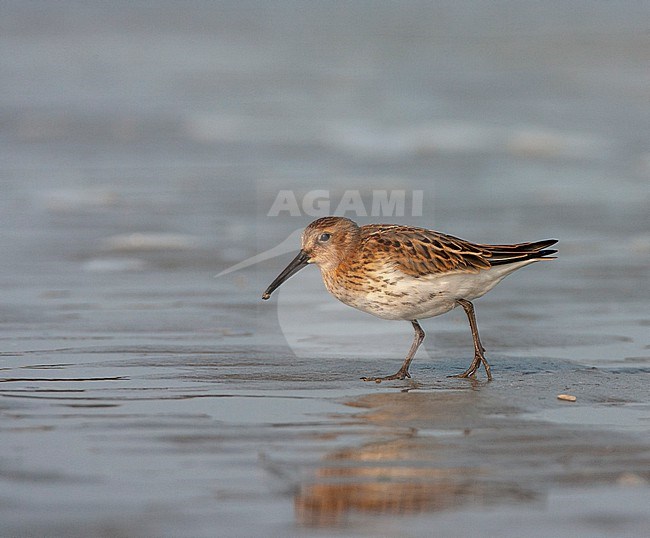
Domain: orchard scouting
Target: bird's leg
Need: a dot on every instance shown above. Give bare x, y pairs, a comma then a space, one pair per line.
478, 347
403, 372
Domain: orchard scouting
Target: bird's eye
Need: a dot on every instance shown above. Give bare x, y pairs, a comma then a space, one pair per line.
324, 238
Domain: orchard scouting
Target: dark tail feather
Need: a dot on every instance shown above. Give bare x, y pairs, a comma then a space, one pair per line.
503, 254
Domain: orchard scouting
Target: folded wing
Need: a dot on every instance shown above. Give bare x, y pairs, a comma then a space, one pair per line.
419, 252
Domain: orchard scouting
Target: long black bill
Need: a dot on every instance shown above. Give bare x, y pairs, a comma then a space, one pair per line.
300, 261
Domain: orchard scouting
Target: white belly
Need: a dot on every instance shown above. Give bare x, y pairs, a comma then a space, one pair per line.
411, 298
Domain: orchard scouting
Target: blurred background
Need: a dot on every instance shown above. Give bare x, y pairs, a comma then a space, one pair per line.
142, 139
143, 145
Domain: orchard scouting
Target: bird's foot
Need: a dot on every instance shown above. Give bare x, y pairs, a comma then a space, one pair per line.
473, 368
401, 374
466, 374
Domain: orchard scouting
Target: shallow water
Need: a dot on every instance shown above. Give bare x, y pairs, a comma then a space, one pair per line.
142, 149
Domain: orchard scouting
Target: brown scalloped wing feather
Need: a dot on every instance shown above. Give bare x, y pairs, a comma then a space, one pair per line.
417, 251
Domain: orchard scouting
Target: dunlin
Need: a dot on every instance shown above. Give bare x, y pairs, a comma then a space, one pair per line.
407, 273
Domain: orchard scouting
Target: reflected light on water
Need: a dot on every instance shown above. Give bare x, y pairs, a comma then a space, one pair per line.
404, 475
387, 487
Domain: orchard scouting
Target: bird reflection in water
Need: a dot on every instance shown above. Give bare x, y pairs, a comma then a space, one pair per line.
410, 474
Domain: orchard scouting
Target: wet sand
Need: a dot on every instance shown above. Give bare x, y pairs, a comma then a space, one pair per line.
184, 440
142, 150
